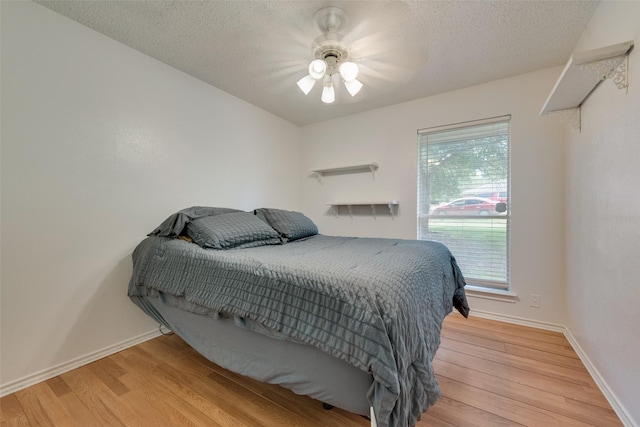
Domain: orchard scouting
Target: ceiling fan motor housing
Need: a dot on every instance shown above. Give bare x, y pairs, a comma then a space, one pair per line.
333, 51
329, 46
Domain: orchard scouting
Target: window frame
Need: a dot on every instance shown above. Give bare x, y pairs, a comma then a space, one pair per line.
423, 195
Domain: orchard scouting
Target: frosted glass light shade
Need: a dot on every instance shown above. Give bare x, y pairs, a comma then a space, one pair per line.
353, 86
306, 84
349, 71
317, 68
328, 94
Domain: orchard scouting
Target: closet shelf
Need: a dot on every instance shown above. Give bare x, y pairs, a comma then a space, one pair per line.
390, 205
582, 74
367, 167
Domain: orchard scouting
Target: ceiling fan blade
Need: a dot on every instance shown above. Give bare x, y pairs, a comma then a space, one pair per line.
374, 39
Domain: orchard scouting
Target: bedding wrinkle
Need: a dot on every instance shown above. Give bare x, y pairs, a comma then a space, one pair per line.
375, 303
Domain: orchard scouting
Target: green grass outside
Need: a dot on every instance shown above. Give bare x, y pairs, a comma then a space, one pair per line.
494, 231
469, 235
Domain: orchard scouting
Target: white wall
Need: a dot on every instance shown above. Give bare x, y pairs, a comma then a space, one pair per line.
603, 215
99, 144
389, 137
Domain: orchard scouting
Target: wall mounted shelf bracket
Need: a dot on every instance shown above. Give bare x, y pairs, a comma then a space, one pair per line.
569, 115
582, 74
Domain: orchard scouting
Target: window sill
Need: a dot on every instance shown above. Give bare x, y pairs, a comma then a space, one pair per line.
492, 294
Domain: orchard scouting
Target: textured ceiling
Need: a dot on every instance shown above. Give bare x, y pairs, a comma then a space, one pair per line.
257, 50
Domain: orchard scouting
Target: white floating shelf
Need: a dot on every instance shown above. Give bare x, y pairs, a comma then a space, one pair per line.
582, 74
390, 205
367, 167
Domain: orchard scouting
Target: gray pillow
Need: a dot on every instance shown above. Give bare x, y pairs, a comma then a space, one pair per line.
174, 225
232, 230
291, 225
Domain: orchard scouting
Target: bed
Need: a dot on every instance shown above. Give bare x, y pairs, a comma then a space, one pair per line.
352, 322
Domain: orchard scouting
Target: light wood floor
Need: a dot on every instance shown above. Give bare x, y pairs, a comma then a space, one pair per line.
491, 374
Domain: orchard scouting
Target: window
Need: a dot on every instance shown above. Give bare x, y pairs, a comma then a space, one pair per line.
463, 196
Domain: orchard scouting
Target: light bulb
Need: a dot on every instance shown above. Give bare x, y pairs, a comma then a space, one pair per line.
317, 68
306, 84
328, 94
353, 86
349, 71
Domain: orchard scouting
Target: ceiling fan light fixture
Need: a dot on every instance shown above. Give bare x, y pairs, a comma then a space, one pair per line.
331, 56
353, 86
328, 94
306, 84
349, 71
317, 69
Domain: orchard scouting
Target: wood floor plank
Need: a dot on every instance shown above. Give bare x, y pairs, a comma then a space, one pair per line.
429, 420
504, 407
43, 407
563, 348
474, 322
526, 352
545, 400
195, 407
576, 374
58, 386
11, 412
458, 413
34, 411
490, 373
544, 356
102, 371
79, 414
478, 341
107, 407
144, 373
112, 368
532, 379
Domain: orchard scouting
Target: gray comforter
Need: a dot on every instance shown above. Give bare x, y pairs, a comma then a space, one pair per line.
375, 303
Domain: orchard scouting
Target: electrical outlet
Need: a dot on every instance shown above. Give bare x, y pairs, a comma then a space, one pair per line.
534, 301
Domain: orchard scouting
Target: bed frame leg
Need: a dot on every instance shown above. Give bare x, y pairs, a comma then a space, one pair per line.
374, 423
371, 418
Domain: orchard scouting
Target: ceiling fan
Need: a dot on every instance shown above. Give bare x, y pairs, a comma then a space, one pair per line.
371, 48
332, 57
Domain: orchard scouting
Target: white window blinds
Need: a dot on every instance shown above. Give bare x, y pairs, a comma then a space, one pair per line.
463, 196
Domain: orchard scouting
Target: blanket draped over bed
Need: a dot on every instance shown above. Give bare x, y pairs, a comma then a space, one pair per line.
375, 303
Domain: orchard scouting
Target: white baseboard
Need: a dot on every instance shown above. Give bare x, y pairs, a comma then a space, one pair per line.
45, 374
518, 321
618, 408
